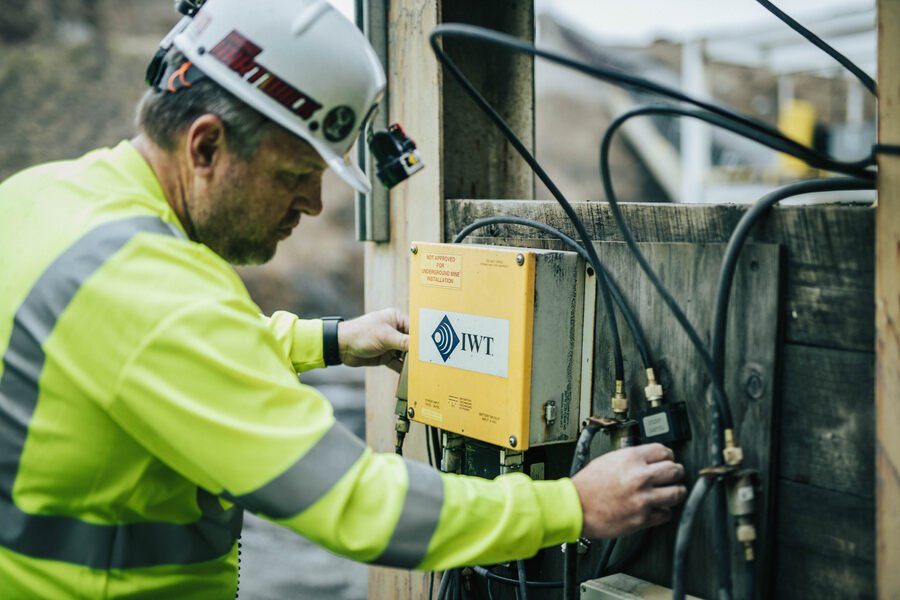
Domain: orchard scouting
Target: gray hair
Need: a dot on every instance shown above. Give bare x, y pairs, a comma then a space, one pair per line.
163, 115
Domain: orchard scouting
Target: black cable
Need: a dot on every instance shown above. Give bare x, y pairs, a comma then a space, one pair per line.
739, 237
436, 446
431, 586
695, 499
428, 446
750, 583
513, 139
767, 135
664, 293
579, 458
767, 140
772, 137
816, 159
721, 542
445, 585
491, 576
818, 42
523, 580
608, 549
640, 340
583, 447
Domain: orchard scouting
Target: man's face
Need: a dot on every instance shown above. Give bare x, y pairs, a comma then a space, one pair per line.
249, 206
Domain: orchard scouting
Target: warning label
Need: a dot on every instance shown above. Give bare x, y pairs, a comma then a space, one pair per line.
441, 270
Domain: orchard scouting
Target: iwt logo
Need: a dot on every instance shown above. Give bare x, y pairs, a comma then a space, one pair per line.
446, 340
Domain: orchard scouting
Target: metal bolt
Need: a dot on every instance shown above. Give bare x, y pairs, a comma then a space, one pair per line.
520, 259
410, 412
513, 441
414, 249
590, 272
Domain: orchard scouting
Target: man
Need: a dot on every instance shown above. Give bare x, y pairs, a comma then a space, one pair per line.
145, 403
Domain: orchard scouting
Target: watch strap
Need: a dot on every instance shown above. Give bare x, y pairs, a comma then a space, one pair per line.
331, 351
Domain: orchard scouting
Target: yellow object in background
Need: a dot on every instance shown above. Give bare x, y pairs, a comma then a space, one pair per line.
797, 120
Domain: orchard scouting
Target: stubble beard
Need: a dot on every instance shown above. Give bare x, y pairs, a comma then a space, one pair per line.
230, 231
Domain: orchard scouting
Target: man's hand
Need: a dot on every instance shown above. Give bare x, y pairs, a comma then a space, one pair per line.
629, 489
376, 338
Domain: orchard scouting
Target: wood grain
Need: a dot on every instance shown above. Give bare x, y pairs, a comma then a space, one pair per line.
887, 293
824, 411
830, 263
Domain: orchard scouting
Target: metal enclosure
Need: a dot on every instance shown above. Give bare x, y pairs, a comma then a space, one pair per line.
496, 338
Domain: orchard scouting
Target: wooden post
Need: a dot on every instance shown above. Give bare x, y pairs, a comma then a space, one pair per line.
458, 157
414, 92
887, 303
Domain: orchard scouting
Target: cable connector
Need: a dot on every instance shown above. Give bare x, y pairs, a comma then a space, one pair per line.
451, 457
402, 409
401, 426
653, 391
734, 454
741, 492
619, 402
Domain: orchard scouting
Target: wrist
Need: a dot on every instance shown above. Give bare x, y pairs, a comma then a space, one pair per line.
331, 350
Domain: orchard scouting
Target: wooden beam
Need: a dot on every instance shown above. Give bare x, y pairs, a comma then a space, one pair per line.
887, 306
414, 88
461, 151
478, 161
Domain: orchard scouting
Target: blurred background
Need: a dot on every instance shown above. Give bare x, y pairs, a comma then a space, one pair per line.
71, 72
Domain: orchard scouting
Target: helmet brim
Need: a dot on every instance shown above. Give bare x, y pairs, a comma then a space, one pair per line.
348, 171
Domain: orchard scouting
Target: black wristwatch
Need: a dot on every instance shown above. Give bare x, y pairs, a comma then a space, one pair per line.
331, 351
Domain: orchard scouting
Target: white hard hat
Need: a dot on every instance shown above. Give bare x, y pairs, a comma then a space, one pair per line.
300, 63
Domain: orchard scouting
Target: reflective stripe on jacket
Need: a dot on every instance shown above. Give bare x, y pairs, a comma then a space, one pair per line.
144, 403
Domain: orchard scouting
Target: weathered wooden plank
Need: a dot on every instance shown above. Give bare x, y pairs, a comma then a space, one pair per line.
826, 544
887, 291
829, 298
827, 427
750, 352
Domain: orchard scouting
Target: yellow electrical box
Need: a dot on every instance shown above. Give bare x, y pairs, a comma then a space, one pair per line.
497, 344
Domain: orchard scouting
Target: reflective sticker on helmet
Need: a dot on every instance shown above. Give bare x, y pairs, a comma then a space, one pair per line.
239, 54
338, 123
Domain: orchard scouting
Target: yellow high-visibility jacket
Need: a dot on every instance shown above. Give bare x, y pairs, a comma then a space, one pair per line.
145, 403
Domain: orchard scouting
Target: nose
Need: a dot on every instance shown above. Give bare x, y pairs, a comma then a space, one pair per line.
309, 200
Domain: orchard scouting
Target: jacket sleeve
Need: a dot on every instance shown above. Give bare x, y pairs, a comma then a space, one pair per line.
300, 340
209, 393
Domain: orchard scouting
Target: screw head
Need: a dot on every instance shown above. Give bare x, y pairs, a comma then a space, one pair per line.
520, 259
410, 412
414, 249
513, 441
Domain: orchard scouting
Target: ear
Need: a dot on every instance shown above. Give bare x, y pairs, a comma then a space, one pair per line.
205, 144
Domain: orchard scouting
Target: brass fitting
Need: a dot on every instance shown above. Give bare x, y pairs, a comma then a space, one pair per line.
746, 534
733, 453
619, 401
654, 391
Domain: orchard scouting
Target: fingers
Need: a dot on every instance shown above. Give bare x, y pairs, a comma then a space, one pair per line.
395, 363
658, 516
653, 453
665, 497
664, 473
396, 340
